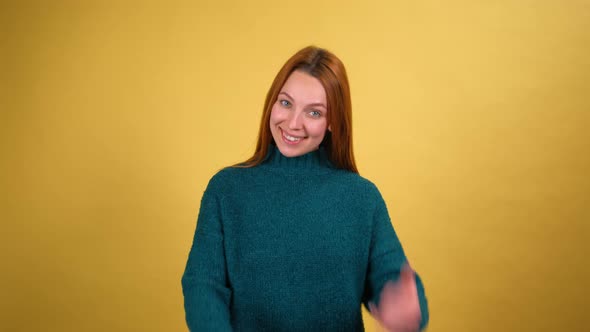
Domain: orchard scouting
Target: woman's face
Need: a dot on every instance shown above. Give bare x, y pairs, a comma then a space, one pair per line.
298, 121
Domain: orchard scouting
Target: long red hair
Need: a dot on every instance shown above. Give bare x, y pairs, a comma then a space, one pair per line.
329, 70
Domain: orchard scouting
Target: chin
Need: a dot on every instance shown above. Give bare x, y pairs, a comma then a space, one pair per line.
295, 151
289, 152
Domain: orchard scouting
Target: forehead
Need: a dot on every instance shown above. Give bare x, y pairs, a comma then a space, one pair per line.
304, 88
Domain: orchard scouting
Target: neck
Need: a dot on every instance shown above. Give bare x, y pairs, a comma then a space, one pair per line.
313, 161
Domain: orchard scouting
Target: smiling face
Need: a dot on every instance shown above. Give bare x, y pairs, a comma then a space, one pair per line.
298, 121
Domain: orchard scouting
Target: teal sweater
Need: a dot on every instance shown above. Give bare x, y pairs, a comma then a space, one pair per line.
293, 244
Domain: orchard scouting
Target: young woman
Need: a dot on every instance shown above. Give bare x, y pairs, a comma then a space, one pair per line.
294, 239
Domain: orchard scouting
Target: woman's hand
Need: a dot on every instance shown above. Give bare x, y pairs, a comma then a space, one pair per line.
399, 309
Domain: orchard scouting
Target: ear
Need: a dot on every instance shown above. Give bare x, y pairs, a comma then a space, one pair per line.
330, 128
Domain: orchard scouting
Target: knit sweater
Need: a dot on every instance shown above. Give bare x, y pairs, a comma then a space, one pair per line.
293, 244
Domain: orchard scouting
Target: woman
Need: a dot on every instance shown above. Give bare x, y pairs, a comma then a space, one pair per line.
294, 239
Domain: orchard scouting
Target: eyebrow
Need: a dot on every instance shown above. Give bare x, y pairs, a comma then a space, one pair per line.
312, 104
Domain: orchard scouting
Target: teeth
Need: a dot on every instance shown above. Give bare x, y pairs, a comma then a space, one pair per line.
291, 138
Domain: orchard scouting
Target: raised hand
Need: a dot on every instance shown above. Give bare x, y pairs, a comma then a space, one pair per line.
399, 308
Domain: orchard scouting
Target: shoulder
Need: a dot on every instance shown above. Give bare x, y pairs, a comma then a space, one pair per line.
226, 178
357, 185
356, 180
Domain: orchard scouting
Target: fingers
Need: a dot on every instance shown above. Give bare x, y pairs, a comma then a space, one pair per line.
399, 308
374, 311
407, 274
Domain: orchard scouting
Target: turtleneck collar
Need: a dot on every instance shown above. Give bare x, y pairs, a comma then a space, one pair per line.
313, 161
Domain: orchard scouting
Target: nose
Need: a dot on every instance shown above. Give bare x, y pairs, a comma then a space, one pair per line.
295, 120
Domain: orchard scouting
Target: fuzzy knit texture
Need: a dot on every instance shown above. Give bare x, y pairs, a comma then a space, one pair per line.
293, 244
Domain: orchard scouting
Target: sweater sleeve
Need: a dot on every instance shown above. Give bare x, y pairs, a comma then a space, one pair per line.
205, 286
386, 259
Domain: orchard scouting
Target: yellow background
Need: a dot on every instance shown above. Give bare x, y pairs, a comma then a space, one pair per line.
470, 116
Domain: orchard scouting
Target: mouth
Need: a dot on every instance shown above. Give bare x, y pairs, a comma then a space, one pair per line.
289, 139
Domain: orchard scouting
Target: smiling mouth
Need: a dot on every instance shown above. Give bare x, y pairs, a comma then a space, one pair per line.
290, 139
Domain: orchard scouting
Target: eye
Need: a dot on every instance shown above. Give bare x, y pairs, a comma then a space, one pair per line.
315, 114
285, 103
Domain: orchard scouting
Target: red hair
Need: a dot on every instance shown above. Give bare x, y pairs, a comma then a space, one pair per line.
329, 70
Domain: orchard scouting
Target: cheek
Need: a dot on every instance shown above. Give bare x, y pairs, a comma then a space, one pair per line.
275, 115
318, 128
